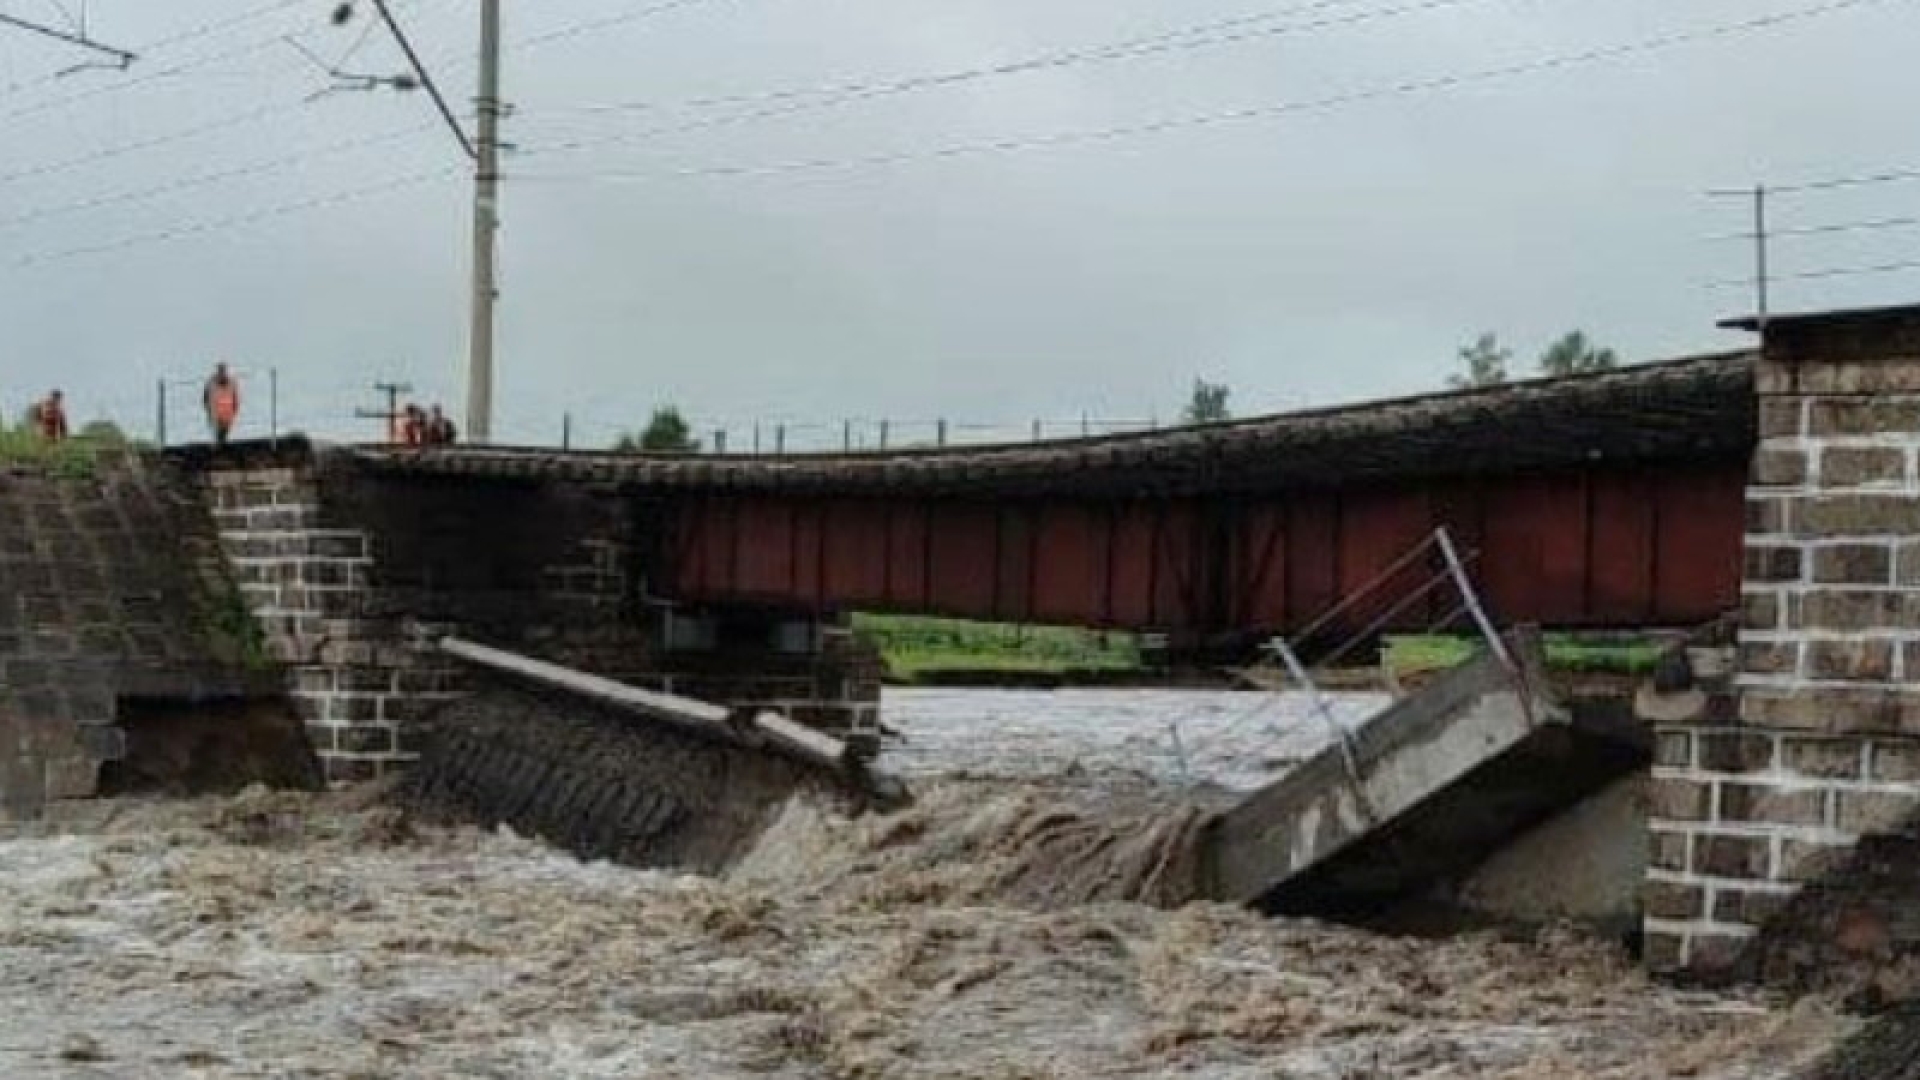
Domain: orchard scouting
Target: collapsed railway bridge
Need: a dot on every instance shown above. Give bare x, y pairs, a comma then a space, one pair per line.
1613, 500
1780, 484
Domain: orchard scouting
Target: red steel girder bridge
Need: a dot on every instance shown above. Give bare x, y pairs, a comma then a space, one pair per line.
1600, 501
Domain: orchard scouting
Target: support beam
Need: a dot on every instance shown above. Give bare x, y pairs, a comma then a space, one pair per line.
700, 718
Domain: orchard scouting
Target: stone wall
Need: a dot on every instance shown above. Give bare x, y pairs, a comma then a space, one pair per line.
310, 585
1750, 804
347, 569
111, 589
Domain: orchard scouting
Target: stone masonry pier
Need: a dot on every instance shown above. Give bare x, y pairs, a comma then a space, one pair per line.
1762, 803
346, 571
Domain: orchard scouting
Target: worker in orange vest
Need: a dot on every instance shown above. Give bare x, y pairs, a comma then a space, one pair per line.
222, 402
50, 417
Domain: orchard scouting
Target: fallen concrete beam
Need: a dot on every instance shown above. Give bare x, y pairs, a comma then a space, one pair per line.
702, 718
1438, 781
802, 741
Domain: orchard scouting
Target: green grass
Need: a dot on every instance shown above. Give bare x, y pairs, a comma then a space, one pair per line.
915, 645
76, 457
1565, 652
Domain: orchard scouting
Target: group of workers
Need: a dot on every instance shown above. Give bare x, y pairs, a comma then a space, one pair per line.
414, 426
220, 398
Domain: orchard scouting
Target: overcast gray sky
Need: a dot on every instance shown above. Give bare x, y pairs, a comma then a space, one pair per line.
1330, 252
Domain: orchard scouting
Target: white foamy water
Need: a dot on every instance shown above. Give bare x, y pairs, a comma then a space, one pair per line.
1236, 740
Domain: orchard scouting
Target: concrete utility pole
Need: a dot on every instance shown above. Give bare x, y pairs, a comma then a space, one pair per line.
486, 226
1760, 269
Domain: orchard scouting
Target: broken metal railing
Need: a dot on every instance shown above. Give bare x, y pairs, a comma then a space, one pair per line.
1448, 565
1452, 570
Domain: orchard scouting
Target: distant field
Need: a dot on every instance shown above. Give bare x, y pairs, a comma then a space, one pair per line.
1565, 652
915, 645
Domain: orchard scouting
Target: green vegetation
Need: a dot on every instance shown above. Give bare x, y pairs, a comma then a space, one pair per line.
914, 645
1574, 354
74, 457
1208, 405
1486, 362
1565, 652
667, 432
1483, 363
231, 630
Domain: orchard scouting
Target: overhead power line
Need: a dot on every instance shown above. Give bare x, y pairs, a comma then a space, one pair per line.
1872, 225
174, 187
235, 221
1407, 88
77, 38
237, 119
169, 72
168, 42
594, 26
1205, 36
209, 29
1817, 275
1058, 57
1896, 176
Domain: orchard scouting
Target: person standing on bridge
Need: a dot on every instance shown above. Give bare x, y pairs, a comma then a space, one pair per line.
49, 417
221, 399
440, 429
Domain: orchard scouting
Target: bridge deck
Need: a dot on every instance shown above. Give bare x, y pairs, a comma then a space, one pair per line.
1694, 408
1609, 500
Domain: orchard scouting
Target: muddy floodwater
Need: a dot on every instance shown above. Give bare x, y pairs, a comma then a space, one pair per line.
277, 935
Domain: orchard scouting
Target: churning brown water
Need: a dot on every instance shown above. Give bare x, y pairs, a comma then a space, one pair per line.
980, 934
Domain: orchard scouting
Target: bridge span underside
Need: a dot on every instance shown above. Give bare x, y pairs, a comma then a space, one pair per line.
1614, 500
1584, 548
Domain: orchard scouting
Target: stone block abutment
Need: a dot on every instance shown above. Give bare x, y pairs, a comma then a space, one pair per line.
1782, 811
347, 569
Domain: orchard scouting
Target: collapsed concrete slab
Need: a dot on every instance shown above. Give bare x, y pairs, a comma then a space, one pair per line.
613, 771
1419, 796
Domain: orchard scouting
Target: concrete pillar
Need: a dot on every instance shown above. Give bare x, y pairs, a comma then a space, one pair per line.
1751, 805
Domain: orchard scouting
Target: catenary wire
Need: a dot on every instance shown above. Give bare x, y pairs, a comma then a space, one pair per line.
854, 93
857, 86
235, 221
174, 187
1406, 88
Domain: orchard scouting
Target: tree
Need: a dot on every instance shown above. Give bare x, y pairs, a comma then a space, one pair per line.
1575, 355
666, 433
1208, 405
104, 432
1485, 362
